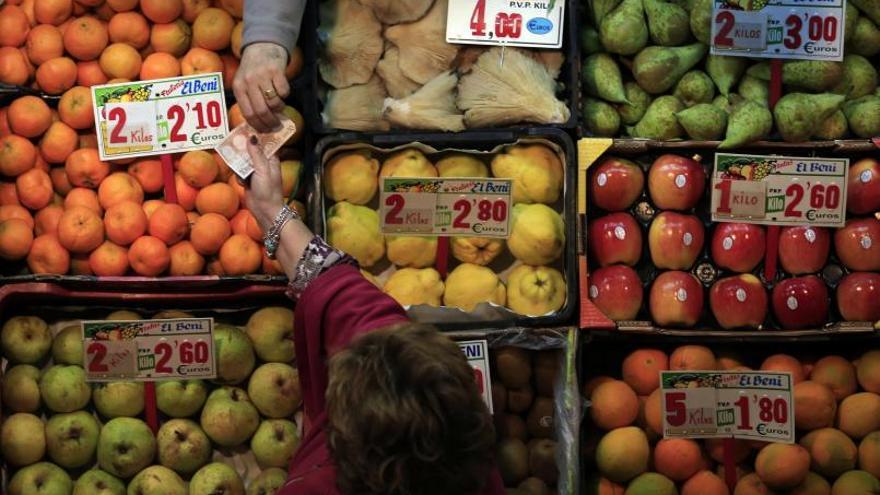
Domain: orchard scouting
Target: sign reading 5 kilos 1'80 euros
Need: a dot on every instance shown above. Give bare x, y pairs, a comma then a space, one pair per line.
161, 116
779, 190
534, 23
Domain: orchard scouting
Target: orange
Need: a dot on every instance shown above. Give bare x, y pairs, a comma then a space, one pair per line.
60, 183
198, 168
88, 141
715, 449
867, 370
8, 212
653, 415
14, 66
295, 65
677, 458
46, 220
230, 67
235, 39
79, 264
218, 198
122, 5
125, 222
692, 357
781, 466
641, 369
86, 38
162, 11
64, 25
104, 12
57, 75
784, 362
192, 9
52, 12
48, 256
41, 164
831, 452
705, 483
174, 37
244, 223
169, 223
212, 29
186, 194
14, 25
214, 267
75, 108
185, 260
17, 155
837, 373
8, 196
34, 189
81, 196
234, 7
85, 169
191, 218
28, 7
613, 405
235, 116
4, 122
148, 173
223, 170
272, 267
149, 256
16, 239
815, 405
120, 60
130, 28
151, 205
119, 187
240, 255
109, 260
90, 74
859, 414
200, 61
209, 233
58, 143
29, 116
160, 65
239, 189
44, 43
80, 230
298, 207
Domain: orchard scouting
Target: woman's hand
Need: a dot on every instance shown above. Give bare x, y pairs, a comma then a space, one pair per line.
261, 86
264, 197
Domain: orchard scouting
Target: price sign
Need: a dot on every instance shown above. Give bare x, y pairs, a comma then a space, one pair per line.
149, 350
161, 116
793, 29
779, 190
445, 207
477, 354
503, 22
752, 405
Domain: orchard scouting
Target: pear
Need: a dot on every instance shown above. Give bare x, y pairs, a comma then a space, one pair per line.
749, 121
863, 116
695, 87
636, 106
624, 31
658, 68
590, 42
725, 71
859, 77
865, 39
870, 8
701, 20
799, 114
752, 88
602, 8
703, 122
601, 77
722, 103
600, 118
537, 234
810, 75
852, 18
668, 23
834, 127
659, 121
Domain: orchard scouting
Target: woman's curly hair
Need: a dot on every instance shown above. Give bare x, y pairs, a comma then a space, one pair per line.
406, 416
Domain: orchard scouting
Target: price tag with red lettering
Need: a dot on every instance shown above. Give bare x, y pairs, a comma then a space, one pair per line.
161, 116
477, 354
445, 207
779, 190
506, 22
752, 405
793, 29
149, 350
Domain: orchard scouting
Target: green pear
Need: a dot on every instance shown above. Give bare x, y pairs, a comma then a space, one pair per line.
216, 478
43, 478
181, 399
725, 71
701, 20
659, 121
22, 439
229, 417
274, 443
797, 115
67, 346
183, 446
859, 77
863, 116
125, 446
637, 104
64, 388
623, 30
810, 75
274, 390
590, 42
703, 122
271, 331
600, 118
21, 388
601, 77
659, 68
695, 87
865, 39
116, 399
157, 480
234, 353
749, 121
832, 128
668, 23
852, 18
97, 482
25, 339
752, 88
268, 482
723, 103
601, 8
72, 438
870, 8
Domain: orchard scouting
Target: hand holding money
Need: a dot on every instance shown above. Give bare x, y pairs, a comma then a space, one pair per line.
234, 152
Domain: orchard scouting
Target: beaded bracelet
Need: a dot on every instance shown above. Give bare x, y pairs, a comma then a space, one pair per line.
272, 239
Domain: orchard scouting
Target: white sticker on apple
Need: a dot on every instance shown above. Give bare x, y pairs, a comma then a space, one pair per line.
727, 243
687, 238
620, 232
865, 176
594, 292
810, 234
681, 295
602, 179
866, 242
681, 181
741, 295
792, 303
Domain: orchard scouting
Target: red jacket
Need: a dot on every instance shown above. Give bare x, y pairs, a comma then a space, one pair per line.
335, 308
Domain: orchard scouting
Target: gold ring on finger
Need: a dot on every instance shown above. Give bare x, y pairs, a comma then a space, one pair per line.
270, 93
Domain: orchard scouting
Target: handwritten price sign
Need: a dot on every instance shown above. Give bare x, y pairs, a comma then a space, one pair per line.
747, 405
803, 29
445, 207
161, 116
499, 22
477, 354
149, 350
779, 190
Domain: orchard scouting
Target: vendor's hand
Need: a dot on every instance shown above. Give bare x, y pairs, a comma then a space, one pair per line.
264, 197
261, 86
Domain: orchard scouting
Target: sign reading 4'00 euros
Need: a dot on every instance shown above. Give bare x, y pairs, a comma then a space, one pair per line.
160, 116
533, 23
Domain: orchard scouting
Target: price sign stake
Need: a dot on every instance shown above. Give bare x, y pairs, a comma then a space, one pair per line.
477, 354
501, 22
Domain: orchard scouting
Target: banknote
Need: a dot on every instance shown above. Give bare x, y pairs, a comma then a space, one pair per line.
233, 149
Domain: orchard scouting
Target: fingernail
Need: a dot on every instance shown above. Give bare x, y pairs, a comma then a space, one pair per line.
254, 140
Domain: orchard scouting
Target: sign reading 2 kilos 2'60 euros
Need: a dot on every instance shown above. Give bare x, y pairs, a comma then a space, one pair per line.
526, 23
161, 116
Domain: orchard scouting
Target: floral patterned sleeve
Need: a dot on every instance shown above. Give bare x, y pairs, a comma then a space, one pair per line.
316, 259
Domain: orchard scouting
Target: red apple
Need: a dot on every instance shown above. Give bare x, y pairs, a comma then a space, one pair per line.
858, 244
801, 302
676, 299
675, 240
676, 182
738, 247
804, 249
617, 183
616, 238
739, 301
858, 297
617, 291
863, 187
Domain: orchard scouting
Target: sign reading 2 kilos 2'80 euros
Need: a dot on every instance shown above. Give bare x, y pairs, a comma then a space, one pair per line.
160, 116
792, 29
526, 23
779, 190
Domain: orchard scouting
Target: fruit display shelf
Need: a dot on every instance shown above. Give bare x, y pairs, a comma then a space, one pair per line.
354, 160
637, 230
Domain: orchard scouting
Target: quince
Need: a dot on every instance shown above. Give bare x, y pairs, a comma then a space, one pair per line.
536, 171
461, 165
355, 230
408, 163
371, 278
411, 251
476, 250
535, 290
351, 177
537, 234
469, 285
412, 286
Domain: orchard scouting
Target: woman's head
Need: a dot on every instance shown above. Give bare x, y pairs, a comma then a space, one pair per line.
406, 417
